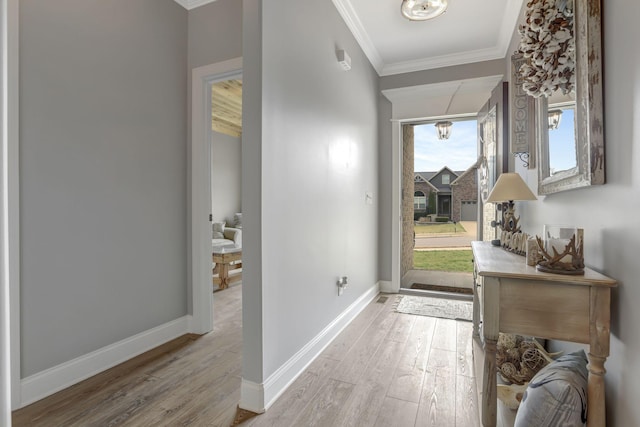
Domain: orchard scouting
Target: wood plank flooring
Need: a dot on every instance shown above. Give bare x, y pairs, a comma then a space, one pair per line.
385, 369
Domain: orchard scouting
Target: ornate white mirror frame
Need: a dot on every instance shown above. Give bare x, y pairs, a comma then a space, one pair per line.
588, 128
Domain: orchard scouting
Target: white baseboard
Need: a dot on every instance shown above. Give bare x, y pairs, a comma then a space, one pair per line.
259, 397
252, 396
52, 380
387, 287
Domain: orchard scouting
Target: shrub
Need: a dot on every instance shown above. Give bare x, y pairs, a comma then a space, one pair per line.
442, 219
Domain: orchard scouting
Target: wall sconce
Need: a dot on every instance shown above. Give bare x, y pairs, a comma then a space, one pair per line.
554, 119
443, 129
509, 188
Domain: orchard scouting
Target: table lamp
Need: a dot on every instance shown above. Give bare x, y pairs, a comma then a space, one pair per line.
509, 188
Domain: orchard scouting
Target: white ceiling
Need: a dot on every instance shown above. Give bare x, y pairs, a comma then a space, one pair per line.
469, 31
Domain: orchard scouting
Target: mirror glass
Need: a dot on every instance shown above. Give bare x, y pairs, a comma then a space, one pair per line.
562, 137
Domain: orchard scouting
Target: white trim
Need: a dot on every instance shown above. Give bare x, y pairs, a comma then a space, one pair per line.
348, 14
200, 191
259, 397
252, 396
192, 4
47, 382
396, 204
10, 245
443, 61
386, 286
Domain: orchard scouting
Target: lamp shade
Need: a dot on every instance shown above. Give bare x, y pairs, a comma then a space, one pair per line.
509, 187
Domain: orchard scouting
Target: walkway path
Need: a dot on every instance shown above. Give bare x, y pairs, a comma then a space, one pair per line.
449, 241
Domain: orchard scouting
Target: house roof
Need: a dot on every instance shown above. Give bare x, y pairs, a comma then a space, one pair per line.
419, 177
428, 176
471, 168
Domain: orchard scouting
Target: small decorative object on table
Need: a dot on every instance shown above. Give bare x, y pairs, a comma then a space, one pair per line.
533, 254
515, 242
562, 250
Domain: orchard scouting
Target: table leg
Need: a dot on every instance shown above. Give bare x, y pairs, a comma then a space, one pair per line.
489, 386
476, 308
599, 319
224, 275
490, 332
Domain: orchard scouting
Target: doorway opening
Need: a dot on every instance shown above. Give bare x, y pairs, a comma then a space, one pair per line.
216, 105
226, 178
438, 227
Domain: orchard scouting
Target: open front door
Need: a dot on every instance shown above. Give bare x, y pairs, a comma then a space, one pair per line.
493, 143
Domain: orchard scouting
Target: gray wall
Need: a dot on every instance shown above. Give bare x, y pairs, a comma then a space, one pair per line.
102, 173
319, 155
226, 176
215, 32
609, 213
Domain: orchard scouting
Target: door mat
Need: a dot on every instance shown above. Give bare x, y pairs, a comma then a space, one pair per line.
435, 307
441, 288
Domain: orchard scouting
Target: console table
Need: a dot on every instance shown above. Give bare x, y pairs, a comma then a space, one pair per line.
512, 297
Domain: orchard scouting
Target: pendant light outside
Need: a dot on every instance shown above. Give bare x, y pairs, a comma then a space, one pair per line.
443, 129
421, 10
554, 119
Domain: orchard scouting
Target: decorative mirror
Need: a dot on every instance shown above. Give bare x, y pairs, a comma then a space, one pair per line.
562, 43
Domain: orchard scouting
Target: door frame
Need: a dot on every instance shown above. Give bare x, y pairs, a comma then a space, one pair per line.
9, 215
200, 189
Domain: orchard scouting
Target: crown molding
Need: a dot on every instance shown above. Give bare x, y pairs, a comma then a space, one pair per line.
192, 4
509, 25
443, 61
345, 9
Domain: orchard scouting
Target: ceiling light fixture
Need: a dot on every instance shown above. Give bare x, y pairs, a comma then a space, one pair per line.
443, 129
421, 10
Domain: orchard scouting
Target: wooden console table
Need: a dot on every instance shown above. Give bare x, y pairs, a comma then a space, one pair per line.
512, 297
223, 257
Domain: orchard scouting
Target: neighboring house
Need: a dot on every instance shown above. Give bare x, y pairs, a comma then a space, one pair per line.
464, 195
456, 193
423, 189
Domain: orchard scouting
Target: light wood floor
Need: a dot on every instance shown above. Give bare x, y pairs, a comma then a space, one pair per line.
385, 369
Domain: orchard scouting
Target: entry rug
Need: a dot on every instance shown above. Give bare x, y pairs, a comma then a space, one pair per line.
435, 307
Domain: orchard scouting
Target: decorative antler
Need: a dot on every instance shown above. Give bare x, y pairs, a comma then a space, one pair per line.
554, 262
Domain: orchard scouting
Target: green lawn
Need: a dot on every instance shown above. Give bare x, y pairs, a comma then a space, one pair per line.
459, 261
438, 227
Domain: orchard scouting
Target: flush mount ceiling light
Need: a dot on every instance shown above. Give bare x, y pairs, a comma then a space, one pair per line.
443, 129
421, 10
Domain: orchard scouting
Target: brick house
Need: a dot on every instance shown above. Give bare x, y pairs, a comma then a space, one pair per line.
456, 193
464, 195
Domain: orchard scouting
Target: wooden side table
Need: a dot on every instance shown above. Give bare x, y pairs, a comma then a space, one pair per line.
512, 297
223, 257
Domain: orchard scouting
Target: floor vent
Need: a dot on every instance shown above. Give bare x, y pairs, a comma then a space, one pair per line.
382, 300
